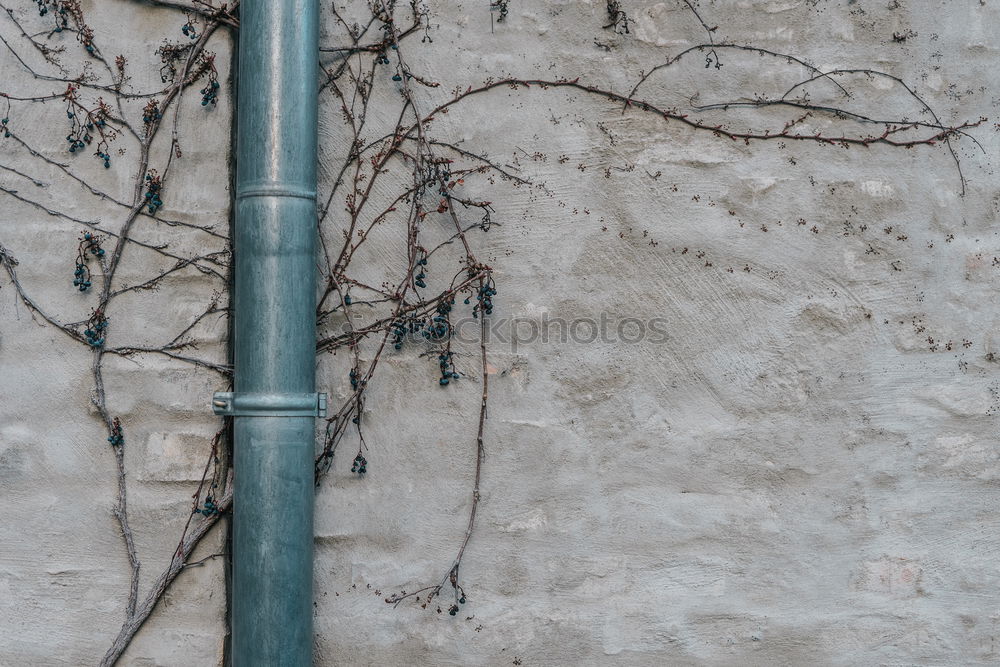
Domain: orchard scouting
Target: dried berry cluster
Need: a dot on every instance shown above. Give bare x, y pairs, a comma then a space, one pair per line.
90, 245
97, 327
153, 184
117, 438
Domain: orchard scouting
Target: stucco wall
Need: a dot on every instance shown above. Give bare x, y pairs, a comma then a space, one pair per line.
802, 469
64, 571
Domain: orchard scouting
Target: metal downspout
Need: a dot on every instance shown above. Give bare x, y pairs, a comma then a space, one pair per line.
274, 311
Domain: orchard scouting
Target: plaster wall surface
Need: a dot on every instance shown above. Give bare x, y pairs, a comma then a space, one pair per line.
778, 449
64, 569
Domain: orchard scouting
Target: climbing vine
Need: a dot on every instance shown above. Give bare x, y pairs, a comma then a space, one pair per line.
394, 175
119, 125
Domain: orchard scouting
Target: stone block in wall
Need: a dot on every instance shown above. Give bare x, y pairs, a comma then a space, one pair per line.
172, 457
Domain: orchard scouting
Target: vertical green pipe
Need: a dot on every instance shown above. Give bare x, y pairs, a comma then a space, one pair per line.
274, 330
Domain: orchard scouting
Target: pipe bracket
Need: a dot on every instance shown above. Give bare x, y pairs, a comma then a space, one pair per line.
248, 190
253, 404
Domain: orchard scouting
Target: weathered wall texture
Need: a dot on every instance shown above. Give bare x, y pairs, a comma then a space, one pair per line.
803, 468
64, 572
798, 475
